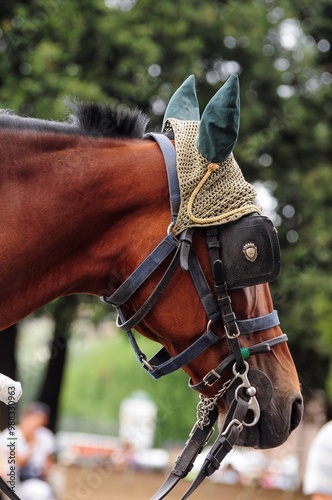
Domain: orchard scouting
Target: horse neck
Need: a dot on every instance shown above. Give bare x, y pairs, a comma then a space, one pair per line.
71, 208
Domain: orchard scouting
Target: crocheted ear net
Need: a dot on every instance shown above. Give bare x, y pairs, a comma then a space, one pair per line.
211, 193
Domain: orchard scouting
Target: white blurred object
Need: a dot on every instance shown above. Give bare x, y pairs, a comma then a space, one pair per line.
10, 391
137, 420
35, 489
155, 459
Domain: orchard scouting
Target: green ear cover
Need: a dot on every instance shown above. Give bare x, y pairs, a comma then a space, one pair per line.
183, 104
220, 122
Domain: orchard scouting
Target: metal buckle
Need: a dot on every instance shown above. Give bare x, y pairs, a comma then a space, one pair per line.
147, 364
213, 372
236, 334
117, 321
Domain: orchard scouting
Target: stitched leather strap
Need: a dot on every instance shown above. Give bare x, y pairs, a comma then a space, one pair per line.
163, 364
184, 463
8, 491
259, 324
203, 289
169, 154
142, 272
215, 374
223, 444
193, 447
154, 296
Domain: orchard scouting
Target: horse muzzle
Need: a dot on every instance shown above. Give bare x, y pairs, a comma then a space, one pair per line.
279, 416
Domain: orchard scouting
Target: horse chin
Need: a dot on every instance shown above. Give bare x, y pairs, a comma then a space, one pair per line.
274, 426
258, 437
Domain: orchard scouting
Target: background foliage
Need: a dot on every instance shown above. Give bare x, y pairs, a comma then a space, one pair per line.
138, 52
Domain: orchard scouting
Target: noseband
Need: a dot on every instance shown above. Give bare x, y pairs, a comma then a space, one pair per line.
251, 389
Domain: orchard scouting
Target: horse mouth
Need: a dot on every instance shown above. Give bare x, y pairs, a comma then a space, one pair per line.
275, 424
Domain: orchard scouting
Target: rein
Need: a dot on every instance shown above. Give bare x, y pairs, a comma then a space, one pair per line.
254, 394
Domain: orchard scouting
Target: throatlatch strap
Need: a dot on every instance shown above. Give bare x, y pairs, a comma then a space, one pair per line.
154, 296
142, 272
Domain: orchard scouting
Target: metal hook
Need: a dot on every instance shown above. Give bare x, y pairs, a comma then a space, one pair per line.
250, 391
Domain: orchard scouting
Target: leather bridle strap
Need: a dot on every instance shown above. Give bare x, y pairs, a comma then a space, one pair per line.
224, 443
214, 375
168, 244
229, 319
142, 272
198, 437
169, 155
7, 490
154, 296
163, 364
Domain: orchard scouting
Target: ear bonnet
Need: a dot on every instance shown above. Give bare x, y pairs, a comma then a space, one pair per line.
213, 189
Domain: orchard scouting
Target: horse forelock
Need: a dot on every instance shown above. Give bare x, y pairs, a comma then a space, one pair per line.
89, 119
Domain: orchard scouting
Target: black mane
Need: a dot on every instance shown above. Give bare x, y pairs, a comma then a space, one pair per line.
89, 119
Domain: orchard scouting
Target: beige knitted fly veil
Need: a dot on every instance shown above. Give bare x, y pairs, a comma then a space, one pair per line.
212, 187
211, 193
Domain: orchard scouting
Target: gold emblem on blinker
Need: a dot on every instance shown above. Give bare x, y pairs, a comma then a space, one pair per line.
250, 251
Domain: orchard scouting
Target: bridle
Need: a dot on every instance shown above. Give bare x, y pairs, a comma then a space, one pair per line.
252, 388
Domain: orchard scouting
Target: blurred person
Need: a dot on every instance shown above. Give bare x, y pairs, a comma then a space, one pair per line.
318, 474
28, 454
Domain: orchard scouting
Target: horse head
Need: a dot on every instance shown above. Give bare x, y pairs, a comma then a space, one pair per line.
236, 250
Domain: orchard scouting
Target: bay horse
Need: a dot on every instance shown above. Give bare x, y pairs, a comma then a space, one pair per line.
85, 201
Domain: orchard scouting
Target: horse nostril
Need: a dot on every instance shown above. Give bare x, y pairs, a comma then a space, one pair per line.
296, 414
